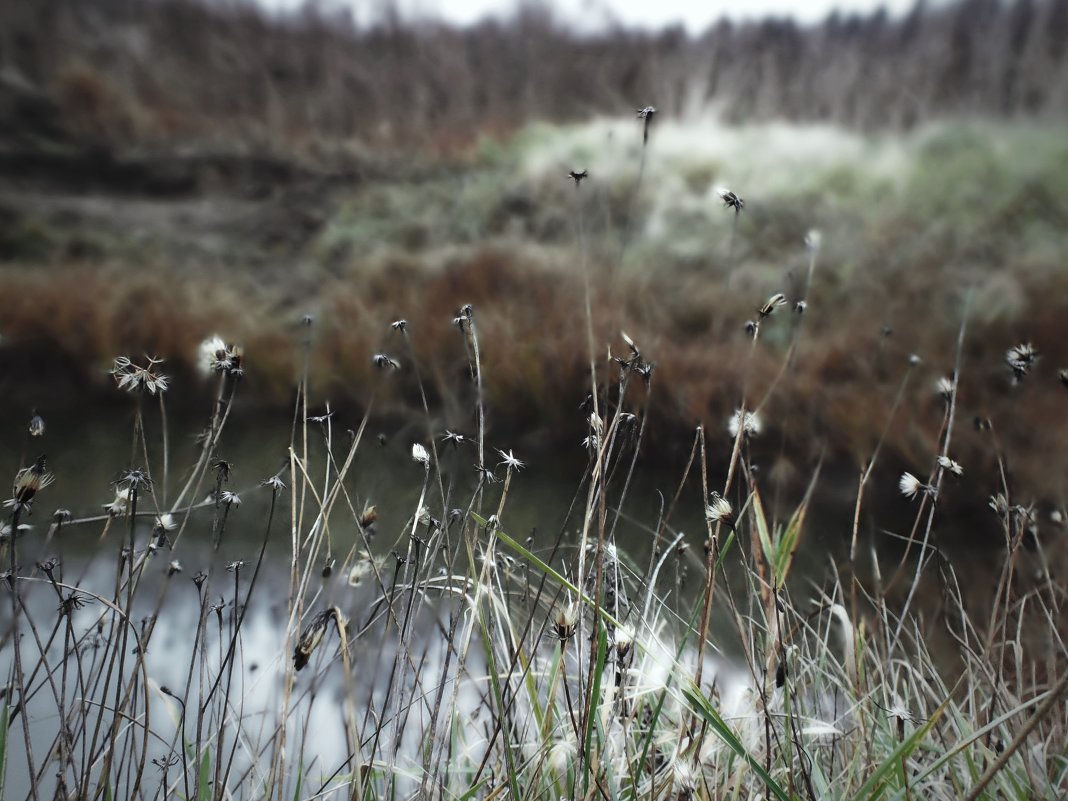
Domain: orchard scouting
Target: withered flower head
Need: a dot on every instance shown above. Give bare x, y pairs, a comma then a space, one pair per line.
771, 304
420, 455
399, 325
274, 482
368, 516
231, 499
312, 636
135, 378
1021, 359
384, 362
910, 486
565, 620
215, 356
72, 603
509, 460
28, 482
37, 426
950, 466
946, 386
453, 437
730, 199
578, 175
749, 423
719, 510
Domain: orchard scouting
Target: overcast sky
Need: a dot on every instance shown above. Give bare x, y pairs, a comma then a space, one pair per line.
696, 15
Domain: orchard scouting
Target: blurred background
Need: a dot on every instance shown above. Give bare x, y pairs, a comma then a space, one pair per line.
173, 169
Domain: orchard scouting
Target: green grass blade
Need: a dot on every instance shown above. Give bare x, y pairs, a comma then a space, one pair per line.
699, 704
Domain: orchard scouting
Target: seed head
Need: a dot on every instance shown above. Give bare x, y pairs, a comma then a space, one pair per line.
813, 240
399, 325
419, 454
578, 175
118, 506
28, 482
946, 386
486, 474
771, 304
1021, 358
911, 486
165, 522
454, 438
310, 639
215, 356
510, 461
719, 510
368, 516
231, 499
274, 482
748, 422
384, 362
37, 426
646, 116
950, 466
566, 620
730, 200
135, 378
